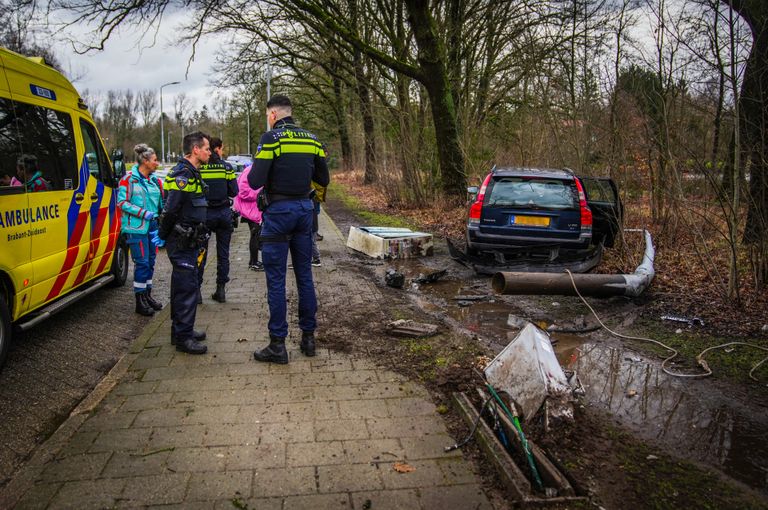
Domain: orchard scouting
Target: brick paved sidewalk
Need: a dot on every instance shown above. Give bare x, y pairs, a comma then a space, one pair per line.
223, 431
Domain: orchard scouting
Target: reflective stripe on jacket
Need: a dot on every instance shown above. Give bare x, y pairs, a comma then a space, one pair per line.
138, 196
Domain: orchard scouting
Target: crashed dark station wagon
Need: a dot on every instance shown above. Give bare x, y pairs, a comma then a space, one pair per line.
541, 219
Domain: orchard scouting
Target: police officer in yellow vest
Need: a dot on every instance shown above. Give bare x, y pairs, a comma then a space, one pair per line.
289, 158
183, 230
222, 184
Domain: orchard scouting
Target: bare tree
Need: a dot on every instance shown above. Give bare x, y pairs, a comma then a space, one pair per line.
147, 104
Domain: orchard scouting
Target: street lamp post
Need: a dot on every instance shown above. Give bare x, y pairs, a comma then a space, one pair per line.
162, 133
169, 140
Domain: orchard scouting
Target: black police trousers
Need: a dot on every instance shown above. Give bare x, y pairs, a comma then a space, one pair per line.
219, 221
183, 257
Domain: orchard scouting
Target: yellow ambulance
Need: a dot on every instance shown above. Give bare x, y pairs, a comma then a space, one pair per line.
59, 226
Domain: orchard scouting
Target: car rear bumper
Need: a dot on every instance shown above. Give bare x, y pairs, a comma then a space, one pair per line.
512, 244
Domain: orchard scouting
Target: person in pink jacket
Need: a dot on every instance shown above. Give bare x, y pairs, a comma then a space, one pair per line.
245, 204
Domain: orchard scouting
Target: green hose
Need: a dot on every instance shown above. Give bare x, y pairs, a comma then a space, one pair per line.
523, 440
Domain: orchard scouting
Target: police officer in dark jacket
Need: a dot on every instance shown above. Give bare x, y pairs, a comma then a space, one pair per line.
289, 158
222, 184
183, 230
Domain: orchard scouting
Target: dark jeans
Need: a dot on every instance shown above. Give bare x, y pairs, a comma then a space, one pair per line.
282, 220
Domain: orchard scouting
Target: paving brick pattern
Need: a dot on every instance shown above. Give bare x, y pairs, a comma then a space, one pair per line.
222, 431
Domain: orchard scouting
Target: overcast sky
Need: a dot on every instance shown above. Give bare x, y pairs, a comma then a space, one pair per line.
128, 62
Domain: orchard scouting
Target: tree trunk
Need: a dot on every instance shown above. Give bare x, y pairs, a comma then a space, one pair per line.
364, 95
431, 57
754, 128
343, 127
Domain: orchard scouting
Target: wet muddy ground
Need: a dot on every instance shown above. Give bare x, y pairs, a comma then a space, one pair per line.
691, 418
710, 422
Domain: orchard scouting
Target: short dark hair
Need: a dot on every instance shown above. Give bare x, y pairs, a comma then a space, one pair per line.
279, 101
194, 140
216, 143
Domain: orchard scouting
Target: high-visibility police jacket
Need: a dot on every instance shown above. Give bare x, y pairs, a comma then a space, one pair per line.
185, 203
221, 181
288, 159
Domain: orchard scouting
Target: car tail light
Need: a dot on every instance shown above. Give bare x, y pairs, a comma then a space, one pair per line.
586, 213
477, 206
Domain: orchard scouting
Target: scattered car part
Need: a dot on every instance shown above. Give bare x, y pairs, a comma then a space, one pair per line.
693, 321
430, 277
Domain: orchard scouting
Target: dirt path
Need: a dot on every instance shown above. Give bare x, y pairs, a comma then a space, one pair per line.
642, 438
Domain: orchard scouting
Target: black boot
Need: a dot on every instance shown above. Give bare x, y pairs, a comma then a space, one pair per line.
142, 307
273, 353
191, 346
307, 344
152, 302
220, 295
198, 336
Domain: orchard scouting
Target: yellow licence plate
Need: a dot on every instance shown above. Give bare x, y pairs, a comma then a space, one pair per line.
531, 221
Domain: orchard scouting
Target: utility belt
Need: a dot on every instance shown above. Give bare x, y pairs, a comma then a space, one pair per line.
192, 236
264, 199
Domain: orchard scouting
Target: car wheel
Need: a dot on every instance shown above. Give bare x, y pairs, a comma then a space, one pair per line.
6, 328
120, 263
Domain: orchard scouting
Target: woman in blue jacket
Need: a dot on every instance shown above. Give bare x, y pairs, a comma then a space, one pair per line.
140, 198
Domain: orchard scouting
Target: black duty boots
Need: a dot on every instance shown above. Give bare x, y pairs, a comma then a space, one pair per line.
197, 336
220, 294
273, 353
142, 307
191, 346
307, 344
156, 305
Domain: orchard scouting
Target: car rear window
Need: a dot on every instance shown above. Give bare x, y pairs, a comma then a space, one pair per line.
532, 193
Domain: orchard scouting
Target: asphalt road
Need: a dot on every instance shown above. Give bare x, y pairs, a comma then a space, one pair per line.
52, 367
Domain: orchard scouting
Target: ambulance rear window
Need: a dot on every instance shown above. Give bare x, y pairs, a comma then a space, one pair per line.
37, 147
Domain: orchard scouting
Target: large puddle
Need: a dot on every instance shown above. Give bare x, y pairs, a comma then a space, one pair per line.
692, 418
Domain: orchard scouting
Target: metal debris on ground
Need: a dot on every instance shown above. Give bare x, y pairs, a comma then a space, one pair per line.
394, 279
410, 329
430, 277
568, 284
693, 321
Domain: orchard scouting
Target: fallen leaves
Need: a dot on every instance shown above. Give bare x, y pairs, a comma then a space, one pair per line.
402, 467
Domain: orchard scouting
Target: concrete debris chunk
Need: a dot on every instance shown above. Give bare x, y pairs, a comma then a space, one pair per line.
410, 329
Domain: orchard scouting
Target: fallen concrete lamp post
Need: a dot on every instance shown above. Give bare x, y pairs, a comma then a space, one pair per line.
595, 285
